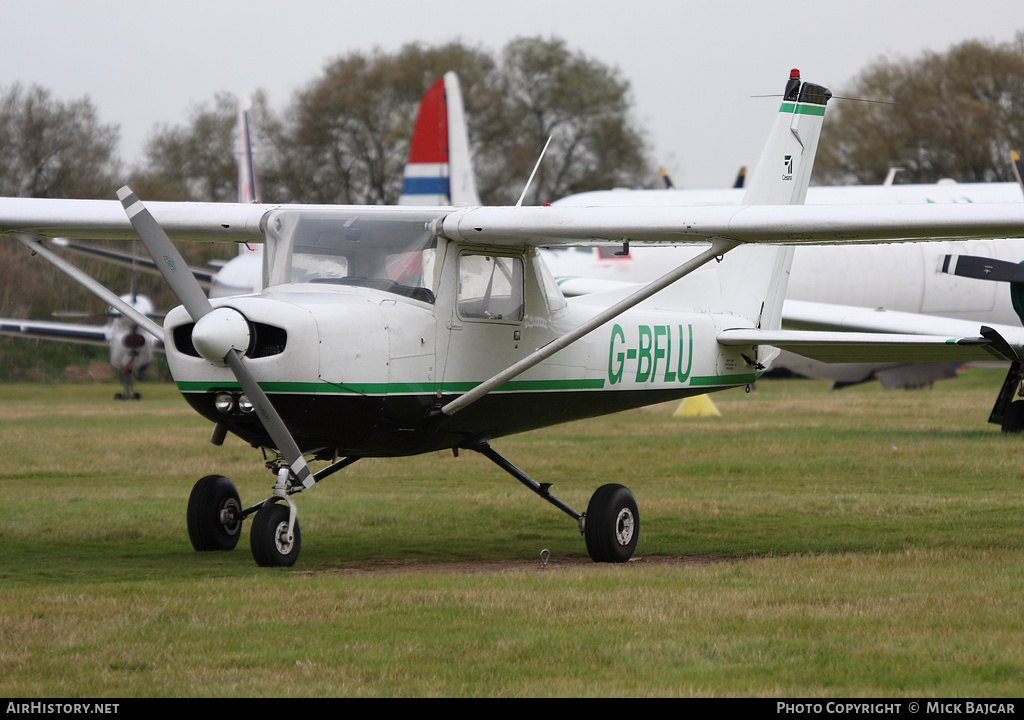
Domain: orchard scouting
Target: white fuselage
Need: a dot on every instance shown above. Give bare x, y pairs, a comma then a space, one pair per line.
365, 364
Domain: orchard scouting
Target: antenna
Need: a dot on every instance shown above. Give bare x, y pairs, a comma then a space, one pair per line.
530, 181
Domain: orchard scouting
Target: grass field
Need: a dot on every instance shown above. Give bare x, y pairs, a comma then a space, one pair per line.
807, 543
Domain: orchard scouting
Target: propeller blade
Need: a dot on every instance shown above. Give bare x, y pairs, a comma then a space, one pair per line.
190, 294
983, 268
167, 258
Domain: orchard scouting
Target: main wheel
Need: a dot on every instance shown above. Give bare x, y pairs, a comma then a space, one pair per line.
1013, 417
612, 524
213, 510
268, 537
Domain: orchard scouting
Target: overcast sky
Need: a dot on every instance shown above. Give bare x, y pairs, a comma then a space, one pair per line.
693, 67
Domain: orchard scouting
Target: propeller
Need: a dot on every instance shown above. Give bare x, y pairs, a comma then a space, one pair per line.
983, 268
221, 335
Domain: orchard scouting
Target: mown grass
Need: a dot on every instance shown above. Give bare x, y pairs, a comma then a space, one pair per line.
805, 543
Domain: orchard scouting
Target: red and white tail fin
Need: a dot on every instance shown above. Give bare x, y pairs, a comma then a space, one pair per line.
439, 170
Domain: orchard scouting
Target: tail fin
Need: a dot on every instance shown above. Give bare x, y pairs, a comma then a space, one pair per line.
248, 187
440, 171
754, 277
783, 173
248, 191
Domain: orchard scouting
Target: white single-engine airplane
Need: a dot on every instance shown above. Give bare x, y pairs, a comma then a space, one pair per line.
389, 331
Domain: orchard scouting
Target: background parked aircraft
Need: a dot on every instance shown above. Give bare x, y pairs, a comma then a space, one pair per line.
131, 347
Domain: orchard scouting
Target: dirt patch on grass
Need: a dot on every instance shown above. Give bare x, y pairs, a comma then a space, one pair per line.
473, 567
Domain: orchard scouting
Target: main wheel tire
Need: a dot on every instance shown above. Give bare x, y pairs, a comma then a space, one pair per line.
268, 537
612, 524
1013, 417
207, 530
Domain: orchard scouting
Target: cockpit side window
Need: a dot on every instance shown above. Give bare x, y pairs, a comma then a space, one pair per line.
490, 287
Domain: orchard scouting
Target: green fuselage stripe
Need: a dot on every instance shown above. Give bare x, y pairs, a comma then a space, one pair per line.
429, 388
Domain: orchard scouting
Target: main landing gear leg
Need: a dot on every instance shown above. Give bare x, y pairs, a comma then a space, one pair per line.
1007, 412
611, 525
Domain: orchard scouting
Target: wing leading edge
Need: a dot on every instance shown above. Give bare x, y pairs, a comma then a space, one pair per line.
547, 226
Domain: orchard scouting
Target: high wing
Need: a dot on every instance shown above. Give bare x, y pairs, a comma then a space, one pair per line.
754, 224
517, 227
67, 332
520, 227
105, 219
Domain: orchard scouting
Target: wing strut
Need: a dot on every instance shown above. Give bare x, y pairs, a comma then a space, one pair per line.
719, 246
91, 285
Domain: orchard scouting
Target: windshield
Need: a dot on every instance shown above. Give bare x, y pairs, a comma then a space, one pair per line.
390, 249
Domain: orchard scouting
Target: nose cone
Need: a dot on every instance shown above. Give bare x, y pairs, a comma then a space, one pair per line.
219, 332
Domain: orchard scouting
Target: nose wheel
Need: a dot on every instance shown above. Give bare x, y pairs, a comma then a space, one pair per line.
274, 537
215, 518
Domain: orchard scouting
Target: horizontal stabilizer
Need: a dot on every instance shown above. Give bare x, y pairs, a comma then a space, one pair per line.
982, 268
846, 347
576, 286
805, 315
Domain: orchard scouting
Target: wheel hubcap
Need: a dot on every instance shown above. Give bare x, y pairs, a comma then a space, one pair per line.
284, 545
229, 521
624, 527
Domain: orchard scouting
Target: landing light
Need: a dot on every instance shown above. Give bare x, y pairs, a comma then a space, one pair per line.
244, 405
224, 402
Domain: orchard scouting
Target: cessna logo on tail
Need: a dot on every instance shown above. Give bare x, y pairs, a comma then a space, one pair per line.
658, 349
788, 163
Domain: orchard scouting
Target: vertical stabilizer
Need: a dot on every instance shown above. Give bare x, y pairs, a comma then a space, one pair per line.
754, 278
248, 190
462, 181
439, 171
783, 173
